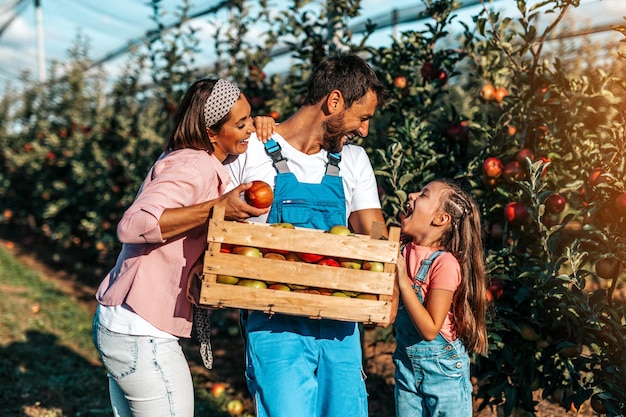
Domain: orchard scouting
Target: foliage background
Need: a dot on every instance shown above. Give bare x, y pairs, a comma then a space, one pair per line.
75, 150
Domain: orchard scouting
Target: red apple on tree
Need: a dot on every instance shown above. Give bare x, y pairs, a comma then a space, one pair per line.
457, 132
513, 171
517, 213
555, 204
620, 204
487, 91
492, 167
218, 389
400, 82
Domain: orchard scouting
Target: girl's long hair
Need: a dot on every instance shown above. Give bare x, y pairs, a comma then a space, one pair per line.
463, 238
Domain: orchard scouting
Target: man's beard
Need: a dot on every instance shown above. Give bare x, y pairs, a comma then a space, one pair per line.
334, 133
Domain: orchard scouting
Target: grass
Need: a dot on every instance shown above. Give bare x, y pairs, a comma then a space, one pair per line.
48, 365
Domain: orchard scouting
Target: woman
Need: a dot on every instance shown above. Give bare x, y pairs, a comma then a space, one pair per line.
143, 307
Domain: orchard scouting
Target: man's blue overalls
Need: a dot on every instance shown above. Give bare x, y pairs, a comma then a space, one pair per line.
296, 366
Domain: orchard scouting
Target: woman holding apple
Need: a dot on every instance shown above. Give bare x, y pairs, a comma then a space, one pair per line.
143, 306
441, 318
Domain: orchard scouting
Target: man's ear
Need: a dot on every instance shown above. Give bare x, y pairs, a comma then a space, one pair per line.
334, 102
441, 219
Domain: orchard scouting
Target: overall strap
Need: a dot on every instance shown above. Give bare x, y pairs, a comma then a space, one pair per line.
332, 167
273, 149
422, 273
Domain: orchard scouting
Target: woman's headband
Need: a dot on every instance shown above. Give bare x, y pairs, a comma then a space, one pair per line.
222, 98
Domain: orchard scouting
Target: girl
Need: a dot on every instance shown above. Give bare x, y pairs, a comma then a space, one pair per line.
143, 308
441, 318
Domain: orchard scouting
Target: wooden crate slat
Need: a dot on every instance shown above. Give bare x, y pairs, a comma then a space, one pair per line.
309, 305
300, 273
305, 240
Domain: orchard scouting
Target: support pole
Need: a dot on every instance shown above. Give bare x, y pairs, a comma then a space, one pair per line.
41, 65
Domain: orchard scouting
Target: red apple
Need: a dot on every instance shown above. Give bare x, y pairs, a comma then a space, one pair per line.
259, 195
400, 82
513, 171
310, 257
620, 204
495, 289
524, 153
279, 287
555, 204
499, 94
293, 257
487, 91
608, 267
517, 213
329, 262
218, 389
457, 132
492, 167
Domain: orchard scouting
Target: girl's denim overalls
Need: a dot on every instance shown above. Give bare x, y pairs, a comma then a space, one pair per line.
432, 377
296, 366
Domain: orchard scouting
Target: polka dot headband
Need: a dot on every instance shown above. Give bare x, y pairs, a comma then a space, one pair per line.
222, 98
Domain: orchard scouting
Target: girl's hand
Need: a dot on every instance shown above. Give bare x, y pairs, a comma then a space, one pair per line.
264, 126
404, 282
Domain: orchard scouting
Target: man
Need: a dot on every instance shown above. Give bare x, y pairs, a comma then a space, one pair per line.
298, 366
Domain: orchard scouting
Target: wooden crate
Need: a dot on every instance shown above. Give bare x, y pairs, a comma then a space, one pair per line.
359, 247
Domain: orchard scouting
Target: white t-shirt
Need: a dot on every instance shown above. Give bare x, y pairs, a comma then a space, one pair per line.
359, 183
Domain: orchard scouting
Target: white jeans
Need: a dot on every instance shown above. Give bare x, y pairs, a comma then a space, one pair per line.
148, 376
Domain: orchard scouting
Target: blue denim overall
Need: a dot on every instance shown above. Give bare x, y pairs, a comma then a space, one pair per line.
296, 366
432, 377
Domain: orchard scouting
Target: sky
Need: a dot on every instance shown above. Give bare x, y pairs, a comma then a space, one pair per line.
111, 25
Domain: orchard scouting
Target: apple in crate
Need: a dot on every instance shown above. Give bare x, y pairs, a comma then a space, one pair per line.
252, 283
350, 263
340, 229
373, 266
247, 251
227, 279
279, 287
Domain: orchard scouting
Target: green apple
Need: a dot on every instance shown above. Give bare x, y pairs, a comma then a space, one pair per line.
340, 294
283, 225
340, 229
351, 263
252, 283
227, 279
247, 251
297, 287
373, 266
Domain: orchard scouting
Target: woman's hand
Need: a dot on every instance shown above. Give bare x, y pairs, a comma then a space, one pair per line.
264, 126
236, 208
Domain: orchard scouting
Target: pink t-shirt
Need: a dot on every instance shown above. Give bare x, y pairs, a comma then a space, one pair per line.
444, 274
151, 274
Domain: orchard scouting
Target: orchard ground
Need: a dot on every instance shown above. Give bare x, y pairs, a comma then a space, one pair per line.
227, 344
